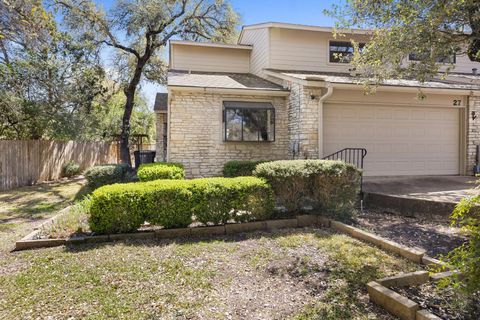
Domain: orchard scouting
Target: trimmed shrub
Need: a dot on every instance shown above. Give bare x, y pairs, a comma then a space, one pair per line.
71, 169
177, 203
101, 175
331, 186
240, 168
160, 170
218, 200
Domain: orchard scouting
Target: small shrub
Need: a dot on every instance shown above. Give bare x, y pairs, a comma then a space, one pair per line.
332, 186
240, 168
71, 169
160, 170
177, 203
101, 175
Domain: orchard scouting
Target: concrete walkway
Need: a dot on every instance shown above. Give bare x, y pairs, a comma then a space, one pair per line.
432, 188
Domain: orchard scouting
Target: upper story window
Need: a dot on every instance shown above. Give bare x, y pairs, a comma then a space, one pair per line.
446, 59
342, 51
249, 121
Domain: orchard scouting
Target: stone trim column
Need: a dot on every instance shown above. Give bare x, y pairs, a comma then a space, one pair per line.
473, 132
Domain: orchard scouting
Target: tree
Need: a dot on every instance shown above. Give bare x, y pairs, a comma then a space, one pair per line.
138, 29
433, 30
47, 80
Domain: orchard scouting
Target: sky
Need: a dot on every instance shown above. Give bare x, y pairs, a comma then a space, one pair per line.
308, 12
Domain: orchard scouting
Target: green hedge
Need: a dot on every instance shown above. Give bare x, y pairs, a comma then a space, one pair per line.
240, 168
105, 174
331, 186
177, 203
161, 170
71, 169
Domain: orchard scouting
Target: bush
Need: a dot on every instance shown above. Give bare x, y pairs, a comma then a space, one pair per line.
240, 168
160, 170
71, 169
331, 186
101, 175
177, 203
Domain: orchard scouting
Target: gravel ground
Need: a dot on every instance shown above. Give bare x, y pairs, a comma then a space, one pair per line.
437, 237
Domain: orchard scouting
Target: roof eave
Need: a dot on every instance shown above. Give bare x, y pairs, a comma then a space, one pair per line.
223, 90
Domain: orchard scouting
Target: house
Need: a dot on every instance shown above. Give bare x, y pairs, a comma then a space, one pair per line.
282, 92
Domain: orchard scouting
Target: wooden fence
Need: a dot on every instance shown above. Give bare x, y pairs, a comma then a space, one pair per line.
25, 162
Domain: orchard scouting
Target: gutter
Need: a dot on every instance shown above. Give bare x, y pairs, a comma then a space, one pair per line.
320, 118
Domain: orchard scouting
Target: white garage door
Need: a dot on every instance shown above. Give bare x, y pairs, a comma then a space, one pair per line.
399, 140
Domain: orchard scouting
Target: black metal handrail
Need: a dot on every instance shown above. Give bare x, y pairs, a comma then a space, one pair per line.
354, 156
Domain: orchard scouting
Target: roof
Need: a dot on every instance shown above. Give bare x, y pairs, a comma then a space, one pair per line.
161, 102
295, 26
211, 44
456, 81
220, 80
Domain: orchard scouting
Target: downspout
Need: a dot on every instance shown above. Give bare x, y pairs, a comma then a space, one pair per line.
320, 118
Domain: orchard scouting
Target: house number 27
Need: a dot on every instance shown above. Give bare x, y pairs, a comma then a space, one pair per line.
457, 102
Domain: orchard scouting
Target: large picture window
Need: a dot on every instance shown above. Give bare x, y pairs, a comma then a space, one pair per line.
342, 51
249, 121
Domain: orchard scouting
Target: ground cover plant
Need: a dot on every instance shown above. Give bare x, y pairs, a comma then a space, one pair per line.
160, 170
330, 186
287, 274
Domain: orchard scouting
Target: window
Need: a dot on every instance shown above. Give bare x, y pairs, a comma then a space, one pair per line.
446, 59
342, 51
249, 121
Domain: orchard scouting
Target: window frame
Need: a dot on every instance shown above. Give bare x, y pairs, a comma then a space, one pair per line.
361, 45
224, 118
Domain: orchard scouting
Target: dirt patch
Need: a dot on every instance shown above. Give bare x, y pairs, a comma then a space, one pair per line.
437, 237
443, 302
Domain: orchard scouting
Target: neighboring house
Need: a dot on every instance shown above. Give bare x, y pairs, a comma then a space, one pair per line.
282, 93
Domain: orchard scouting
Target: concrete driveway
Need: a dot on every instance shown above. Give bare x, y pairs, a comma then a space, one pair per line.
433, 188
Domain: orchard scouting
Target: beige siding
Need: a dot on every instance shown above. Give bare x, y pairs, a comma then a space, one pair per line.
209, 59
303, 50
464, 65
259, 39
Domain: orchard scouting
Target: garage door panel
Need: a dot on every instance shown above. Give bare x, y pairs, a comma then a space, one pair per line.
399, 140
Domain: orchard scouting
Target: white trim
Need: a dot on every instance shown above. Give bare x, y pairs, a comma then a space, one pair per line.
373, 103
239, 91
210, 44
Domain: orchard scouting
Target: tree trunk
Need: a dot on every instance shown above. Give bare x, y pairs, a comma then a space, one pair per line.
130, 92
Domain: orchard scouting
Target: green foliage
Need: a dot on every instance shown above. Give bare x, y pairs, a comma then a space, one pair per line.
332, 186
71, 169
177, 203
160, 170
432, 29
101, 175
240, 168
466, 258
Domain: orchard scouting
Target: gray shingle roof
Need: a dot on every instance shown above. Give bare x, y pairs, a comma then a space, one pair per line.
220, 80
161, 102
453, 81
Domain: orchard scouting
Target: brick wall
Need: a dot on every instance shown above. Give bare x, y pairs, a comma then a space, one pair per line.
196, 133
160, 144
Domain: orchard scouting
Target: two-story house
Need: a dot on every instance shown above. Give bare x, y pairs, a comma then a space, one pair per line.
283, 92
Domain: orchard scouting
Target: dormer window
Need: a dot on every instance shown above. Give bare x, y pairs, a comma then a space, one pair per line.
342, 51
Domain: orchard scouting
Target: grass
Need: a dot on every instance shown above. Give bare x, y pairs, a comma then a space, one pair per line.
296, 274
24, 208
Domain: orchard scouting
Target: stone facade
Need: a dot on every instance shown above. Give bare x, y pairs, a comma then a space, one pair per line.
473, 132
303, 104
196, 136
